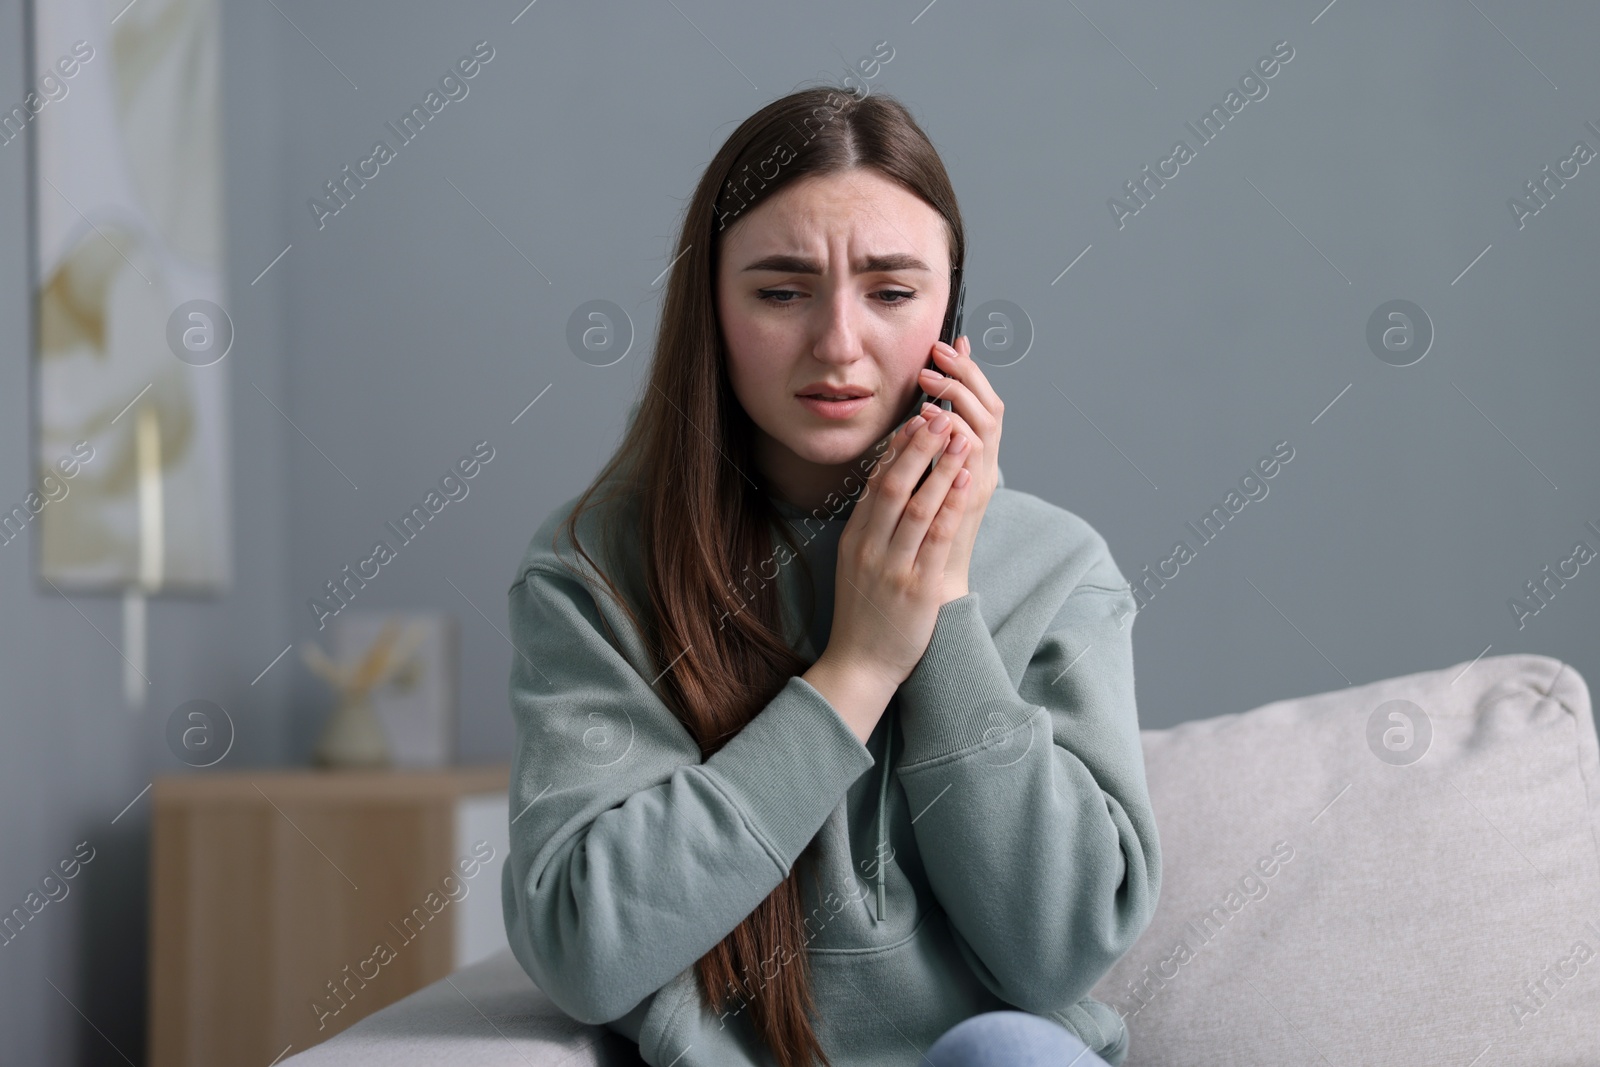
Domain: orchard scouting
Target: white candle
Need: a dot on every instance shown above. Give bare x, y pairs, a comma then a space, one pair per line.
147, 455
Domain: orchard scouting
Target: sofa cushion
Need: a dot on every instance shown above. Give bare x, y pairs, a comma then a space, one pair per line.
1404, 872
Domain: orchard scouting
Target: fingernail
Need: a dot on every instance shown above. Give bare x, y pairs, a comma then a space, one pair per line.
956, 445
939, 422
930, 409
914, 423
929, 372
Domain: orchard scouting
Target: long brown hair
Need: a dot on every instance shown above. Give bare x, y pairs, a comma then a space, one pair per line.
701, 518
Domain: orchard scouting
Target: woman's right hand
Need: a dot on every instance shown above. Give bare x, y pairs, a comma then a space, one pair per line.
889, 578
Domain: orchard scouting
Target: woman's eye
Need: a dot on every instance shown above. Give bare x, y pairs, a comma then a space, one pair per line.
769, 295
897, 292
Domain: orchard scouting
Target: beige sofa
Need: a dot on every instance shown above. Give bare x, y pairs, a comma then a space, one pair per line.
1405, 872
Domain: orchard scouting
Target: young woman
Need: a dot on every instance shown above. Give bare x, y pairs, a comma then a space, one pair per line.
754, 605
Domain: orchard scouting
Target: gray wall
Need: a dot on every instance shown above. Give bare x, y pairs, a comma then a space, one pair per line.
1221, 319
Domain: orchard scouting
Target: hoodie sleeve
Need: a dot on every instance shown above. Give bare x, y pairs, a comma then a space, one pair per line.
1030, 807
630, 856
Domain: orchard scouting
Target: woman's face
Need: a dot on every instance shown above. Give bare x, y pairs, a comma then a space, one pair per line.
835, 284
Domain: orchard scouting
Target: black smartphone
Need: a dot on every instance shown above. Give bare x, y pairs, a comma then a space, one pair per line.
948, 334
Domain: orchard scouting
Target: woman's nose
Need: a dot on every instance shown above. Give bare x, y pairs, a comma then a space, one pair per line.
839, 331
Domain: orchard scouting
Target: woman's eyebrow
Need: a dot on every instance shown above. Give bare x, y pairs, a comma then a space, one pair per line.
792, 264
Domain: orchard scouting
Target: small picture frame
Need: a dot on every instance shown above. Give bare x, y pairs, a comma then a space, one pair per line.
418, 708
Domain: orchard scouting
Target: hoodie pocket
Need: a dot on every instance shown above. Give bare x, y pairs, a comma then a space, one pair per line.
660, 1020
1098, 1026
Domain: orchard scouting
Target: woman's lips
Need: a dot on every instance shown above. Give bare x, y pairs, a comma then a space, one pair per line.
835, 409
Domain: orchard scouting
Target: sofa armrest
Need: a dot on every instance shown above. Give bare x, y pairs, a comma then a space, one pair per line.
488, 1014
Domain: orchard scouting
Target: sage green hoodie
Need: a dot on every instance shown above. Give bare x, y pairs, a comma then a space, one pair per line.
991, 846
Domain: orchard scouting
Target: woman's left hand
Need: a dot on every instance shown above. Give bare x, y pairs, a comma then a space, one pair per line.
976, 414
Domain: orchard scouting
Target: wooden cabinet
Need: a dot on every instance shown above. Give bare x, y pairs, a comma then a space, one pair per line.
285, 905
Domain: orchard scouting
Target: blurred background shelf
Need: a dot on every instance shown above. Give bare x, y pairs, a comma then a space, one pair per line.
286, 905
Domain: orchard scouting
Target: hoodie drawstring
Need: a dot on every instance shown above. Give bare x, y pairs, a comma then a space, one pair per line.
883, 803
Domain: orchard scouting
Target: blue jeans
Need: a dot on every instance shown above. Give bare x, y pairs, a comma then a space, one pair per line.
1010, 1039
